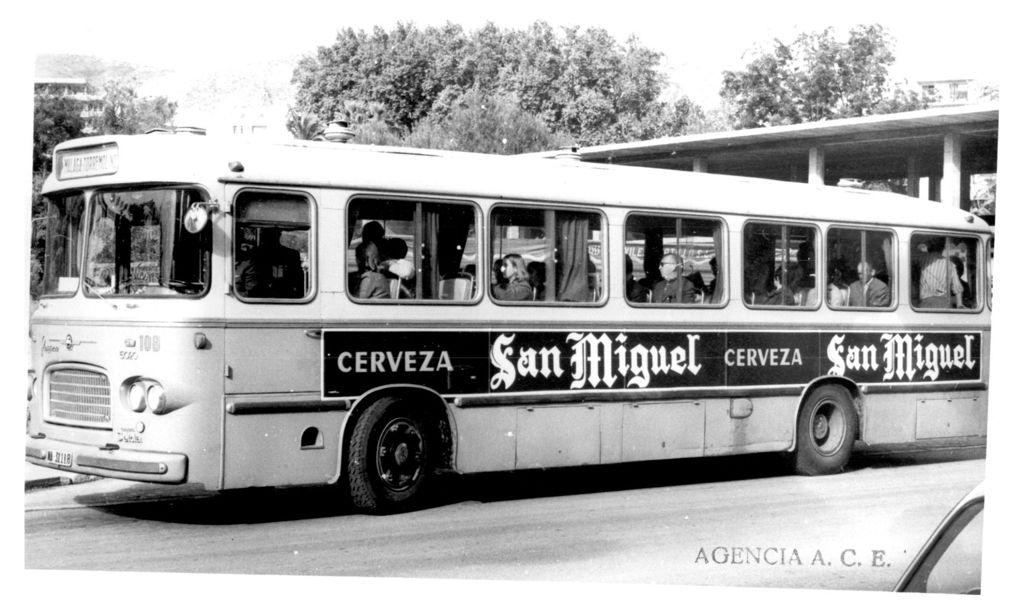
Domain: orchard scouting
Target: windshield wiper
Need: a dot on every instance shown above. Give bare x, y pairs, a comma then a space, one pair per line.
89, 286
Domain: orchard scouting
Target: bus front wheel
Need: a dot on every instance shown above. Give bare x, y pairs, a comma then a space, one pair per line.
389, 457
825, 431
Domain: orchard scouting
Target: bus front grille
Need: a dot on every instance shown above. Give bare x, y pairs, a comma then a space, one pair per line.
79, 396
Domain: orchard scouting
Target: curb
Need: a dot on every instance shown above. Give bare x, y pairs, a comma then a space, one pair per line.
58, 481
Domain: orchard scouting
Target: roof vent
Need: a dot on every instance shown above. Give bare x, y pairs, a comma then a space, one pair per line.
190, 130
339, 131
572, 154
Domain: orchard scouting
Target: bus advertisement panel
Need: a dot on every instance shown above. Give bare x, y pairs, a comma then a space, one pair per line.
508, 361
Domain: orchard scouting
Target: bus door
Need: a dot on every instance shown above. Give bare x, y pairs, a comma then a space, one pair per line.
272, 338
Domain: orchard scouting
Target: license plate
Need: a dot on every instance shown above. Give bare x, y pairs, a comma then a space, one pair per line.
61, 458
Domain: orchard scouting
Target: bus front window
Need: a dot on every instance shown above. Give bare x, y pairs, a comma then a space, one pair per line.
63, 237
137, 244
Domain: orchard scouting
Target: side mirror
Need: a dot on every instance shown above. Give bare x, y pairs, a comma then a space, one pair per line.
198, 216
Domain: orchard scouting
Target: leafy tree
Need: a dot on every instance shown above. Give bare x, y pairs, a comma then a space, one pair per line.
579, 82
817, 77
56, 119
305, 126
125, 113
492, 124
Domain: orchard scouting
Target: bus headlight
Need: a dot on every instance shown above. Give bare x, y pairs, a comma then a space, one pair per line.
156, 399
136, 397
139, 394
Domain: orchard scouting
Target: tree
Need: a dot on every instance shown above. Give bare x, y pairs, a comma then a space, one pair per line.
125, 113
56, 119
579, 82
762, 94
817, 77
491, 124
305, 126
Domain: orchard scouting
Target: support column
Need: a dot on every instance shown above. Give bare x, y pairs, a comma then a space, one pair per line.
913, 177
965, 190
700, 164
816, 166
950, 190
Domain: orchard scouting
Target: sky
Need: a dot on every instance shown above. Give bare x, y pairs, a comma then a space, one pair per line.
699, 39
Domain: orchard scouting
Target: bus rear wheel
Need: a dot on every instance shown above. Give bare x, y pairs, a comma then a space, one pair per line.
389, 460
826, 428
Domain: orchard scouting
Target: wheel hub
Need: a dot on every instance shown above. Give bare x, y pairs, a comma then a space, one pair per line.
400, 454
820, 428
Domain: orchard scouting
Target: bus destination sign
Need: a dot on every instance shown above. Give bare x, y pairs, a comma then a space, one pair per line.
517, 361
87, 162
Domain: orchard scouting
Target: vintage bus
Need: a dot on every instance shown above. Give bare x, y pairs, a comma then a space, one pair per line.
237, 314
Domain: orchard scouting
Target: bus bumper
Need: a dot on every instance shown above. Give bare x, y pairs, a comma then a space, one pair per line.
145, 466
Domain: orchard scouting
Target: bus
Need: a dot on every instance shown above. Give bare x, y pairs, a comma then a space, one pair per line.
234, 314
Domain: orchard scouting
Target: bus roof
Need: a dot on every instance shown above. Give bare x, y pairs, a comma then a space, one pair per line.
191, 158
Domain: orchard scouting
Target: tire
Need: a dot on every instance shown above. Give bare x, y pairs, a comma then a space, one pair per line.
390, 458
825, 431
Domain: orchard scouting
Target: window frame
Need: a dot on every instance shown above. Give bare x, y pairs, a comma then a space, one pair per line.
894, 296
83, 256
85, 224
990, 251
722, 255
347, 240
571, 207
817, 264
979, 270
313, 245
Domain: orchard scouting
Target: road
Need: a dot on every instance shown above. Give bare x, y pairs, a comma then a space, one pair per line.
742, 521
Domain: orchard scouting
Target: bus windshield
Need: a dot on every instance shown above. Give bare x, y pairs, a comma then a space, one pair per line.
137, 244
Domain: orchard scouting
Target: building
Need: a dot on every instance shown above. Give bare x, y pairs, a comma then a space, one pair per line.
947, 92
75, 89
934, 154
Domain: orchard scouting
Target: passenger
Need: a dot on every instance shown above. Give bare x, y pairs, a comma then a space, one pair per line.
636, 290
868, 290
372, 283
270, 269
838, 291
537, 272
373, 232
802, 287
958, 263
673, 288
690, 273
395, 251
712, 286
516, 284
805, 260
395, 265
780, 295
938, 285
497, 276
757, 277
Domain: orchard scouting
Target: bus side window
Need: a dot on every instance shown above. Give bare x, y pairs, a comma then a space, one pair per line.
673, 260
272, 246
408, 250
944, 271
779, 265
861, 273
546, 255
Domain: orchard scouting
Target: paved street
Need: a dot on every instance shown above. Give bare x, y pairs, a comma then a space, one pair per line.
741, 521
